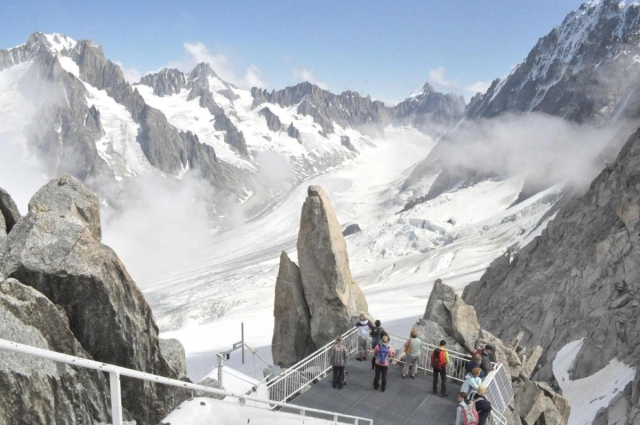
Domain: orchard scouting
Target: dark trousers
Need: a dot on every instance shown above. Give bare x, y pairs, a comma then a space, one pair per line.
380, 370
338, 376
442, 372
373, 363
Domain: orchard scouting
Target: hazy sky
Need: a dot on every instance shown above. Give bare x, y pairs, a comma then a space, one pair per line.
386, 49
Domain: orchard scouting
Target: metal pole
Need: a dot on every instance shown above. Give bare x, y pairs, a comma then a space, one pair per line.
116, 398
242, 333
220, 366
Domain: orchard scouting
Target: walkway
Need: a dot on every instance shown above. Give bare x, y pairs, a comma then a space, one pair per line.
405, 401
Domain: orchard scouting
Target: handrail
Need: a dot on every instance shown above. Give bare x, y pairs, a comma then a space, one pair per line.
116, 371
308, 370
457, 361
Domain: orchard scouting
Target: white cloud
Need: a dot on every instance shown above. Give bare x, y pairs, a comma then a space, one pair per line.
199, 52
441, 83
437, 78
305, 75
478, 87
132, 75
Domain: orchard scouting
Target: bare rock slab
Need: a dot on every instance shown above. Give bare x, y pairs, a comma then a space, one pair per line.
292, 329
331, 293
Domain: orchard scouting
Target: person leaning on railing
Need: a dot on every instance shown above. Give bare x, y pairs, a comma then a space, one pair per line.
412, 349
363, 326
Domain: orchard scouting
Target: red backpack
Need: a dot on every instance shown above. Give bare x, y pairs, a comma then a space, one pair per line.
438, 359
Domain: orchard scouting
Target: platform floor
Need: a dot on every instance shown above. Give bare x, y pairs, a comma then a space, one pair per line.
404, 402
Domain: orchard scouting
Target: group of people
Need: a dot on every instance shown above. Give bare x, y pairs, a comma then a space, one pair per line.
473, 405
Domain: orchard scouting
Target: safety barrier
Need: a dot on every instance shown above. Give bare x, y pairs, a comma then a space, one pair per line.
116, 371
308, 371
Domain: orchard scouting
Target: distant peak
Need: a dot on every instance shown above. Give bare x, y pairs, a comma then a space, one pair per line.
59, 42
203, 69
428, 88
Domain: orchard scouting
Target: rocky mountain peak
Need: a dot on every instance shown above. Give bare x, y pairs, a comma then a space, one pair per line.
166, 82
202, 70
428, 88
582, 70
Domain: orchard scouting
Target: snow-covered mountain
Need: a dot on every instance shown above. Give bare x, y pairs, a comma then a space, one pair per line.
585, 69
66, 104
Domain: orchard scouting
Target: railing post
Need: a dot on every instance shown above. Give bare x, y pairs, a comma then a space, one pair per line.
116, 399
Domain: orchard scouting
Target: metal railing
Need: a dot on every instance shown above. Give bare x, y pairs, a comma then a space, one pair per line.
116, 371
457, 361
308, 371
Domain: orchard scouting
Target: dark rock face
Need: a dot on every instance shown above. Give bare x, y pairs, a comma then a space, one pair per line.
351, 229
292, 330
579, 279
431, 111
349, 109
166, 82
333, 297
582, 70
294, 133
346, 142
232, 136
273, 122
36, 391
172, 351
54, 250
8, 209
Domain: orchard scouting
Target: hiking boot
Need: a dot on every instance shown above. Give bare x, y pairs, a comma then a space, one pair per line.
382, 389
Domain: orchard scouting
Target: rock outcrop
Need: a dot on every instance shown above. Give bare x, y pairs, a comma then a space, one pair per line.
294, 133
319, 300
8, 210
273, 122
56, 249
351, 229
332, 295
173, 352
292, 331
37, 391
448, 317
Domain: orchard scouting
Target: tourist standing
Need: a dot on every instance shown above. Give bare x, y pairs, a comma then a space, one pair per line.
382, 354
439, 363
338, 357
487, 352
476, 361
412, 349
363, 326
465, 413
376, 333
471, 382
482, 404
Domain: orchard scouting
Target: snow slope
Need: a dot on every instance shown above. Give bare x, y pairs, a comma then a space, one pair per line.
593, 392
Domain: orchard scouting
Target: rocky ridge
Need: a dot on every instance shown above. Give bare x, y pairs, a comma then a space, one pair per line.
81, 301
449, 317
578, 279
321, 294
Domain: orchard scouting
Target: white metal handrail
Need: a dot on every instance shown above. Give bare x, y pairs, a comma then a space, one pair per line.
116, 371
456, 369
307, 371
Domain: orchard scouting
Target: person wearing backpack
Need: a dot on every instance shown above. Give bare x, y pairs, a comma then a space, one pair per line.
465, 413
476, 361
412, 349
486, 354
439, 363
363, 326
482, 404
376, 333
382, 354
